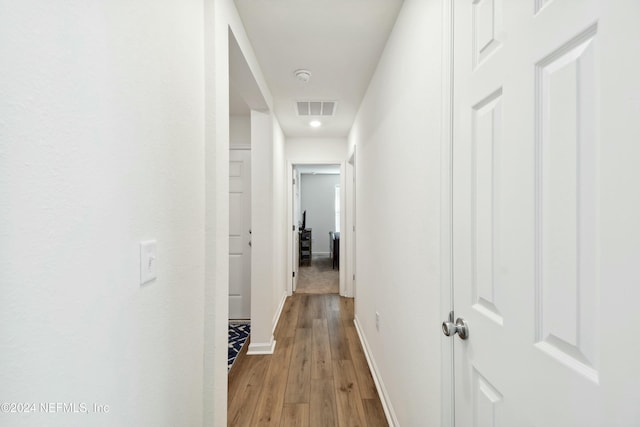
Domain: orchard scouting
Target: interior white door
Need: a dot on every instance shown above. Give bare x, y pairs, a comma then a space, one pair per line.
239, 234
546, 212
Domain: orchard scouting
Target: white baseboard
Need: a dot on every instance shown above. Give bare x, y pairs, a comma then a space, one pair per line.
276, 318
392, 420
268, 347
262, 347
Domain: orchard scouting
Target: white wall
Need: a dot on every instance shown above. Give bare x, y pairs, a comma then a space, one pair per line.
221, 17
318, 199
280, 228
397, 134
318, 150
262, 235
267, 222
101, 146
239, 130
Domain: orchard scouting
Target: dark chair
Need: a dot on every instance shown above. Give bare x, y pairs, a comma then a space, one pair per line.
304, 246
334, 248
331, 239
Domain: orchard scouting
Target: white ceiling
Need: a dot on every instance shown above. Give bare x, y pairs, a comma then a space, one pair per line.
339, 41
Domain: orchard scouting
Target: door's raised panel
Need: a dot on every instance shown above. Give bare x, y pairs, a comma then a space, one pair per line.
487, 23
235, 177
236, 246
235, 221
486, 141
486, 402
235, 169
235, 275
566, 204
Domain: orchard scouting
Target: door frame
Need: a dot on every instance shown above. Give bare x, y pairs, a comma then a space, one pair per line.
350, 224
245, 147
447, 388
345, 288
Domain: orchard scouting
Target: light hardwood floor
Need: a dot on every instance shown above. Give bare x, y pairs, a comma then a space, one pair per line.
319, 277
317, 376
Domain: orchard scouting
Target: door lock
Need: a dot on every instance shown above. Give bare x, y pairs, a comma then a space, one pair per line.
460, 327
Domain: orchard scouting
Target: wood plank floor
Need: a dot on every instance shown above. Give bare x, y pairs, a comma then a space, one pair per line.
317, 376
319, 277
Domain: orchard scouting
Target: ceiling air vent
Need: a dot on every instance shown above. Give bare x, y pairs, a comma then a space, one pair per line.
316, 108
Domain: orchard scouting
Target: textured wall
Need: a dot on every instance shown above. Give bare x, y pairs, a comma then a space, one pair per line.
319, 150
397, 133
317, 197
239, 130
101, 146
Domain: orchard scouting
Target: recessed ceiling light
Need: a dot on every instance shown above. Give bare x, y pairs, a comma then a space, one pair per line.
315, 123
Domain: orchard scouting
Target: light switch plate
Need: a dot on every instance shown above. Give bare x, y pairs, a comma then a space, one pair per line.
148, 261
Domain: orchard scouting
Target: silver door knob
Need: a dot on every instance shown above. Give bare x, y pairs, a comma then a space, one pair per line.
461, 327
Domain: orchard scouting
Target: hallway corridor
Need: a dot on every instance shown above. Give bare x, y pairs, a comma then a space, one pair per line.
318, 278
318, 375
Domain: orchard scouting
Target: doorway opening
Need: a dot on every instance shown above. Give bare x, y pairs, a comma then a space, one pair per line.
239, 185
317, 215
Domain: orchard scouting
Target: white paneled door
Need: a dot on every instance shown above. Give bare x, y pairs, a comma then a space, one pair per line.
239, 234
546, 212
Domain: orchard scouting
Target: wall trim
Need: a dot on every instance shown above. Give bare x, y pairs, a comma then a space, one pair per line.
389, 412
262, 347
276, 318
447, 402
268, 347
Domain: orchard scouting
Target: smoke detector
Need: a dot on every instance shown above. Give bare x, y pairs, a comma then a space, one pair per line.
303, 75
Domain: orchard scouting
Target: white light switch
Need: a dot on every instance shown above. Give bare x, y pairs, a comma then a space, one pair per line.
148, 261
